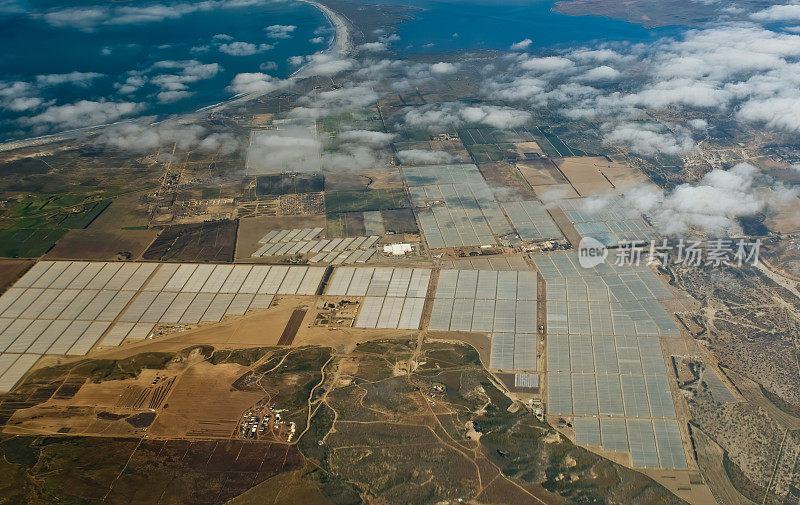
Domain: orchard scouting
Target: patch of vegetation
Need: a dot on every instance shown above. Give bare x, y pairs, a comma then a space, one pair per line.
141, 420
28, 242
280, 184
82, 216
31, 226
359, 201
244, 357
210, 193
101, 370
779, 402
80, 470
488, 153
24, 166
211, 241
748, 488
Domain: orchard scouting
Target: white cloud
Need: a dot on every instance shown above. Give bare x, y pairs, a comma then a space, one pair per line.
372, 47
547, 64
450, 115
521, 45
280, 31
789, 12
368, 138
243, 48
294, 150
75, 78
711, 206
173, 96
777, 113
421, 157
143, 138
444, 68
19, 96
80, 114
647, 140
323, 64
334, 101
89, 18
255, 82
601, 73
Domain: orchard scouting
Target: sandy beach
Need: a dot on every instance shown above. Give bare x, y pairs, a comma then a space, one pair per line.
341, 41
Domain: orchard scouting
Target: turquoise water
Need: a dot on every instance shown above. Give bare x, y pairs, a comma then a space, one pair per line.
129, 51
477, 24
41, 43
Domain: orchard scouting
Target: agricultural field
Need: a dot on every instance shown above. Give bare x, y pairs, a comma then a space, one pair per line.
399, 221
214, 241
506, 183
348, 224
30, 226
337, 202
281, 184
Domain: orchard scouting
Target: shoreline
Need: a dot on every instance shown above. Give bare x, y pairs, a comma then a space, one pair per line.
341, 39
341, 44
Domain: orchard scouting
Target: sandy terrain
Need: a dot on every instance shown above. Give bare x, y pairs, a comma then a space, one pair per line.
596, 175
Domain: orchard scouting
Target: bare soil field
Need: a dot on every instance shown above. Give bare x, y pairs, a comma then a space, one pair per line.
290, 330
146, 472
453, 147
524, 148
364, 415
11, 270
491, 263
555, 192
203, 404
686, 484
710, 456
586, 174
540, 172
567, 228
92, 244
786, 218
345, 224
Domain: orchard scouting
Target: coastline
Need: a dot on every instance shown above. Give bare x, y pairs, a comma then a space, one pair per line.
341, 44
341, 39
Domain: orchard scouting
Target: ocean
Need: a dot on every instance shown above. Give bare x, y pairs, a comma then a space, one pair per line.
87, 63
166, 61
496, 24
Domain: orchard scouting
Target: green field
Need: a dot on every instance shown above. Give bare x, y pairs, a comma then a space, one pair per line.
31, 226
28, 242
281, 184
337, 202
82, 216
487, 153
